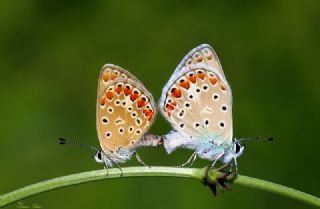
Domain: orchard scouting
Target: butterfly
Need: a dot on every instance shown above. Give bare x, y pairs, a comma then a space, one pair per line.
197, 101
125, 110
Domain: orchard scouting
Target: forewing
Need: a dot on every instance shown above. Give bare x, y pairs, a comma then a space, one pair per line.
202, 54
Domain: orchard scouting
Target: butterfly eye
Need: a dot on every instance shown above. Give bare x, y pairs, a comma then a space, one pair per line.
238, 147
99, 155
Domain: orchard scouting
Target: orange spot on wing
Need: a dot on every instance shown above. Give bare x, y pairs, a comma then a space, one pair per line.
192, 78
173, 103
201, 75
118, 89
150, 115
176, 93
169, 107
127, 90
209, 57
105, 76
141, 102
133, 96
109, 95
213, 80
114, 76
223, 87
199, 59
185, 84
102, 100
145, 111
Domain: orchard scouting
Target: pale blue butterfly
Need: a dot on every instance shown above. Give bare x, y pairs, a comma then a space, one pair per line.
197, 101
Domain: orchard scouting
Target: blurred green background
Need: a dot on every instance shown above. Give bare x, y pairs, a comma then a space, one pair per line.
51, 55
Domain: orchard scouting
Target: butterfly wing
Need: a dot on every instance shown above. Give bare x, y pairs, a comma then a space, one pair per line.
197, 100
201, 54
125, 109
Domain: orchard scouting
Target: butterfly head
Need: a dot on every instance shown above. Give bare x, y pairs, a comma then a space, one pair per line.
103, 158
98, 157
235, 151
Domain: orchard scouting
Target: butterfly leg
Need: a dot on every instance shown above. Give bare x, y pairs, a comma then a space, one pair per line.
214, 162
191, 160
235, 166
121, 172
230, 167
106, 167
140, 160
194, 159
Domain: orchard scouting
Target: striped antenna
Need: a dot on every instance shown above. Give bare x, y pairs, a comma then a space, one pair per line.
76, 144
259, 138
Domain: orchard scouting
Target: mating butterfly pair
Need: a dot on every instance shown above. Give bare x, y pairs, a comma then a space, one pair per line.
197, 101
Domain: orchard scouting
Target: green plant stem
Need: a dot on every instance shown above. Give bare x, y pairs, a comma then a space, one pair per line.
192, 173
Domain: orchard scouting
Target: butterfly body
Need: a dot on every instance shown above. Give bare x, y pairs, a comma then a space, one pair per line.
197, 101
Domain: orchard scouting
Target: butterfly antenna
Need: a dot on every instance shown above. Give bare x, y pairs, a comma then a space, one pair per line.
76, 144
259, 138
